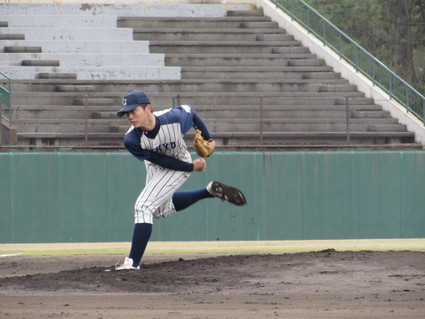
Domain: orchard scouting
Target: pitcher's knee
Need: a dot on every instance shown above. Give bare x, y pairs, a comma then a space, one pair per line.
143, 217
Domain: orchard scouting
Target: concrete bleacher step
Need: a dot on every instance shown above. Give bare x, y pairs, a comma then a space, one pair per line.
79, 46
67, 60
252, 138
59, 112
237, 60
75, 88
72, 33
266, 85
66, 125
163, 99
354, 100
296, 125
122, 8
220, 47
329, 87
304, 125
117, 73
182, 34
243, 140
71, 140
58, 76
22, 49
274, 37
103, 101
236, 140
362, 113
196, 23
259, 72
12, 36
290, 50
106, 109
60, 20
245, 13
287, 112
53, 63
305, 62
386, 127
320, 74
259, 24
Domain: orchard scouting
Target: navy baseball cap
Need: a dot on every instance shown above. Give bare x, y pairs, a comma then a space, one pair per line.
133, 100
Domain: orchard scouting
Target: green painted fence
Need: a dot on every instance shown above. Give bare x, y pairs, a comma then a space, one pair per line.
89, 197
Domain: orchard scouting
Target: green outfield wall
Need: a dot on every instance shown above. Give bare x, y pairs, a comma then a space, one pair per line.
89, 197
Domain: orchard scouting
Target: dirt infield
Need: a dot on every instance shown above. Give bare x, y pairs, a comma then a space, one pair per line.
323, 284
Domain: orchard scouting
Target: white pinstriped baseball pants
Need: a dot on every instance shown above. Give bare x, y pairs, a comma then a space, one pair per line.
155, 200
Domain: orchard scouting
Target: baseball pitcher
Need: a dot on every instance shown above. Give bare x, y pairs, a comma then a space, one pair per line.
157, 139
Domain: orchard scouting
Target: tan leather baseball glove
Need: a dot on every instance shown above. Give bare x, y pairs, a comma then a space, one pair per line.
203, 148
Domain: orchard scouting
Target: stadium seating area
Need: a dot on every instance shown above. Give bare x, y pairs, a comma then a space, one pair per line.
256, 87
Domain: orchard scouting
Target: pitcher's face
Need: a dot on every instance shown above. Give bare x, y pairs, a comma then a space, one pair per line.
140, 117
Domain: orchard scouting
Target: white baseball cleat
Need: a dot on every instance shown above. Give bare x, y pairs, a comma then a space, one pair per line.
127, 265
228, 193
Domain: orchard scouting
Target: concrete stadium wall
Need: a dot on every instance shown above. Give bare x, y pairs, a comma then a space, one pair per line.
89, 197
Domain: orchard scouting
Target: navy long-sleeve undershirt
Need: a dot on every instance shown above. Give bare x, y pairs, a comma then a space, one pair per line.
132, 143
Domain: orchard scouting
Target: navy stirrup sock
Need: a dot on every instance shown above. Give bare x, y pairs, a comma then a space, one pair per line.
183, 199
142, 232
141, 235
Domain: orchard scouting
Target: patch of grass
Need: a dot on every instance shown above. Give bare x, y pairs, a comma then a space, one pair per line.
224, 247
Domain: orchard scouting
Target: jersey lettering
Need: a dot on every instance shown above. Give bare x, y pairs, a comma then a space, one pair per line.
166, 146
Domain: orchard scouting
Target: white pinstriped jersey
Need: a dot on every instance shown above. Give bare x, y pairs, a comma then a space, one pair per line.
161, 183
174, 123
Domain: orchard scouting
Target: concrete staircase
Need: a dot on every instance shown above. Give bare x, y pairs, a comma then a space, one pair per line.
76, 47
255, 86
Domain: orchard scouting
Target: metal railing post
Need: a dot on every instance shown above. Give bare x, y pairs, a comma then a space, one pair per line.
175, 101
423, 111
347, 120
407, 98
9, 86
261, 120
86, 124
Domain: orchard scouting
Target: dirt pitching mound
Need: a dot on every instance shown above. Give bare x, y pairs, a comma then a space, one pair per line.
272, 274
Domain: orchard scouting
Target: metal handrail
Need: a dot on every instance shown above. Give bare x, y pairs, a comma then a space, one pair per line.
5, 100
357, 56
